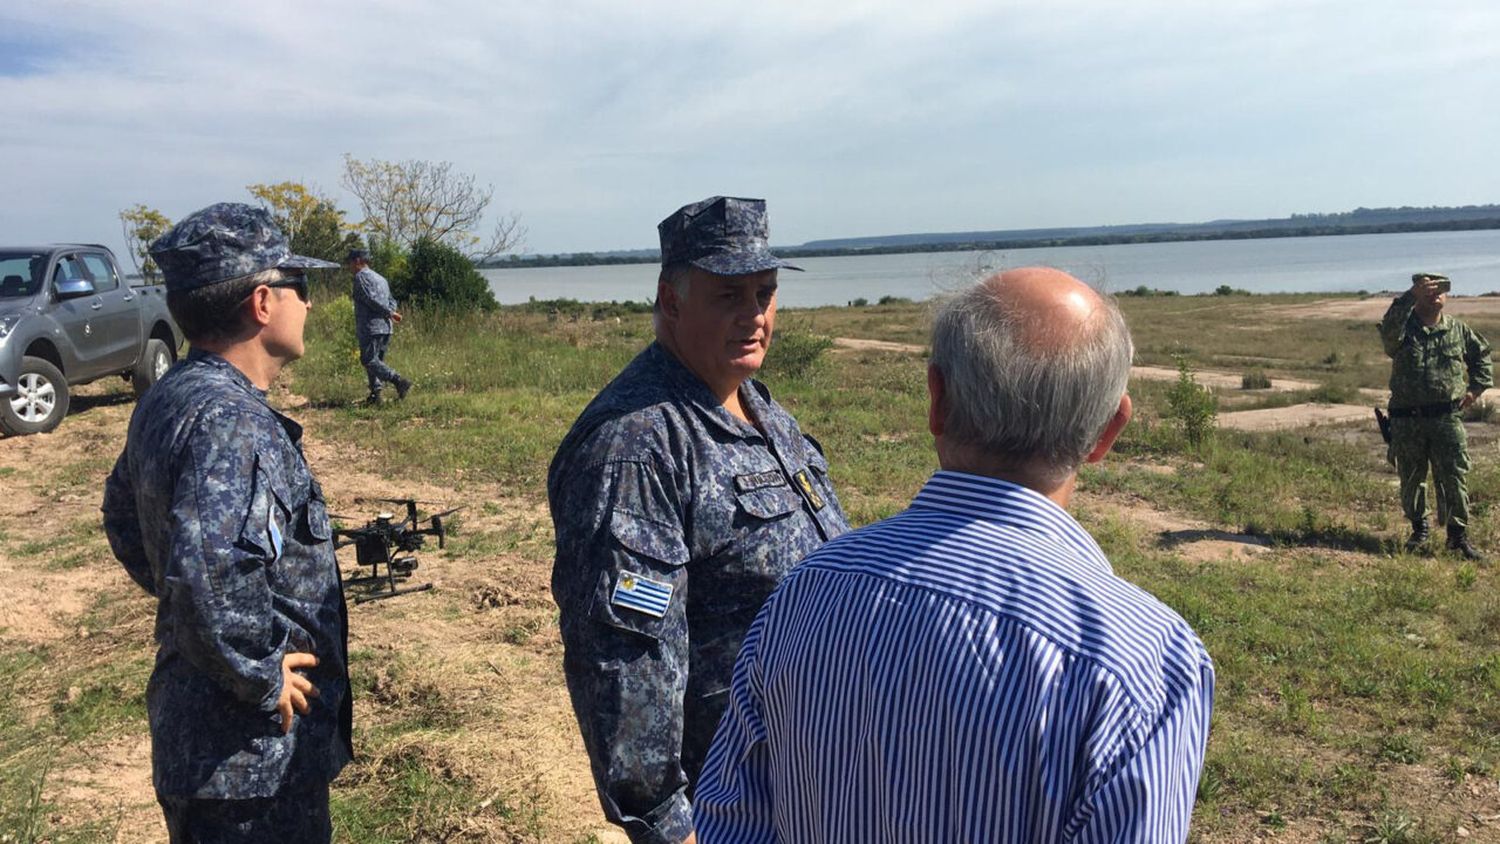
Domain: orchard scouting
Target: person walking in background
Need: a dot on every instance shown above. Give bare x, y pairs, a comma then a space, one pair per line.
681, 496
374, 313
1439, 366
972, 669
212, 509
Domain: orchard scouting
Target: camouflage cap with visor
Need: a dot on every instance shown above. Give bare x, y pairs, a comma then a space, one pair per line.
724, 235
225, 241
1419, 277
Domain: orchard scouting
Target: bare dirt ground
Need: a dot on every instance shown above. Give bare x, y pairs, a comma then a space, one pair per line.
1373, 308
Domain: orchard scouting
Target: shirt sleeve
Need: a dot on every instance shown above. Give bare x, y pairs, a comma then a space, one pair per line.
1477, 357
734, 799
1393, 324
223, 530
621, 583
372, 294
123, 527
1148, 797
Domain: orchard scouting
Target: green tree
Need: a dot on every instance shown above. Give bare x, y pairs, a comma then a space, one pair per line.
141, 225
408, 201
313, 223
438, 274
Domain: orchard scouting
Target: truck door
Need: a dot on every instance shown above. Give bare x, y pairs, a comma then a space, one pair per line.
117, 325
78, 318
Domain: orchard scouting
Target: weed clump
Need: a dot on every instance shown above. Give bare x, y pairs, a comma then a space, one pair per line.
1255, 379
1192, 406
795, 353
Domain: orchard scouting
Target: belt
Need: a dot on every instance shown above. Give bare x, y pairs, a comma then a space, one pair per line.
1426, 411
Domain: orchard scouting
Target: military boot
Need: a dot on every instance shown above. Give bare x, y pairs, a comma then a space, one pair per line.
1458, 540
403, 386
372, 399
1418, 537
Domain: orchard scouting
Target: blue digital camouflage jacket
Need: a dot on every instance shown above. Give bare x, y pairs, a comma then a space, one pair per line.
674, 521
373, 304
212, 510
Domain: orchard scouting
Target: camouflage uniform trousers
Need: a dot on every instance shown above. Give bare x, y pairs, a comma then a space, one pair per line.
296, 816
372, 356
1441, 443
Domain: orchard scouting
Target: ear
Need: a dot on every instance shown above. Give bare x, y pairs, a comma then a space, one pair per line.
258, 306
937, 409
671, 303
1112, 430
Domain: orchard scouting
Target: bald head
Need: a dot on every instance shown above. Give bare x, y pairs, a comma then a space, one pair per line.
1034, 364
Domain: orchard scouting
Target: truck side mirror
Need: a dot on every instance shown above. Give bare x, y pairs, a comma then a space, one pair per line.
73, 288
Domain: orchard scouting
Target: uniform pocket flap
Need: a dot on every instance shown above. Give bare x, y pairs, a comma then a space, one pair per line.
769, 503
266, 521
660, 542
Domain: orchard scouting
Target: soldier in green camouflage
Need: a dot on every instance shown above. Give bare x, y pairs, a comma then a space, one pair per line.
1439, 367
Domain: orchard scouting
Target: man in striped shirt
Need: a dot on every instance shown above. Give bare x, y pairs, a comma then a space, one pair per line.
972, 669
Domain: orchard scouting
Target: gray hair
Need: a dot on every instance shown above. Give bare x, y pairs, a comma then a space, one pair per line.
676, 276
1020, 401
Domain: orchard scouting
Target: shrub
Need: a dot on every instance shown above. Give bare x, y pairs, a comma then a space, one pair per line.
893, 300
859, 303
1191, 406
794, 353
1255, 379
437, 274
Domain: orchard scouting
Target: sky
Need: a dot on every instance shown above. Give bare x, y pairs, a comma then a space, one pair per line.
594, 120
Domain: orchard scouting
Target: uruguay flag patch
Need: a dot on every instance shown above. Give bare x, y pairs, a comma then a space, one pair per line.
641, 594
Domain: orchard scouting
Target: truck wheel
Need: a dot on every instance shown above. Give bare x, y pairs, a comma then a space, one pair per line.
40, 400
154, 364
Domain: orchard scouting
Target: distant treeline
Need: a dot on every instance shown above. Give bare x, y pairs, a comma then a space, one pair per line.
1358, 221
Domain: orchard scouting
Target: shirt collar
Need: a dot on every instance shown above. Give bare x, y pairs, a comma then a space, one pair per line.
1007, 504
224, 367
682, 383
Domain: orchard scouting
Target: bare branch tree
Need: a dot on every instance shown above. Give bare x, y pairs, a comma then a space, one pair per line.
405, 201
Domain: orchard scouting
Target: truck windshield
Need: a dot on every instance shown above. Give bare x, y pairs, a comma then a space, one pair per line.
21, 274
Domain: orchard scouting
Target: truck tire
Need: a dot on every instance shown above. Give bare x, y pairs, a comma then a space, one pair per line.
154, 364
40, 401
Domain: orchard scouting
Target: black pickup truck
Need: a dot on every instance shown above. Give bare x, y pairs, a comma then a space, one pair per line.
68, 317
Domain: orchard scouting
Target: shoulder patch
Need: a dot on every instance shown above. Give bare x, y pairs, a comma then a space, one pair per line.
642, 594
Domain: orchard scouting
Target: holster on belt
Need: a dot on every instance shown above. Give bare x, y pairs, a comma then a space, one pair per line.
1385, 425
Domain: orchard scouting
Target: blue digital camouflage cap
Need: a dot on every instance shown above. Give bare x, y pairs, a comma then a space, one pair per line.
225, 241
724, 235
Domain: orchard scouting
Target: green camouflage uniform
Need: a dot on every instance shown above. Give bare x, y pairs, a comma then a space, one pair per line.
1431, 367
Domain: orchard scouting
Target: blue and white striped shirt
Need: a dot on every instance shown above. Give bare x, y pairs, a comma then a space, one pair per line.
968, 670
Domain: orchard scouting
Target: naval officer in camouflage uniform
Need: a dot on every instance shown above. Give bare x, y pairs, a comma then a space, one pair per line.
1439, 367
374, 313
212, 510
680, 498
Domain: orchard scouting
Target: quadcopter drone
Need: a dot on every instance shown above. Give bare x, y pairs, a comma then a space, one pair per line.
385, 544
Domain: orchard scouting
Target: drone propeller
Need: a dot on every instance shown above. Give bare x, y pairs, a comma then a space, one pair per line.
447, 512
372, 500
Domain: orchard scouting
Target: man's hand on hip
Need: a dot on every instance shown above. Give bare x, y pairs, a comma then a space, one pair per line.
295, 689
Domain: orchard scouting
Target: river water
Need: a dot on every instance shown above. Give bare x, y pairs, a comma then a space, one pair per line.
1272, 265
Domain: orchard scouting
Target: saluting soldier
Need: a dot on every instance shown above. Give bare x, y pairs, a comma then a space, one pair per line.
211, 508
1439, 367
680, 497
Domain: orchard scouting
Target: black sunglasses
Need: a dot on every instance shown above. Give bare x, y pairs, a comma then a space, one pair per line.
296, 283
